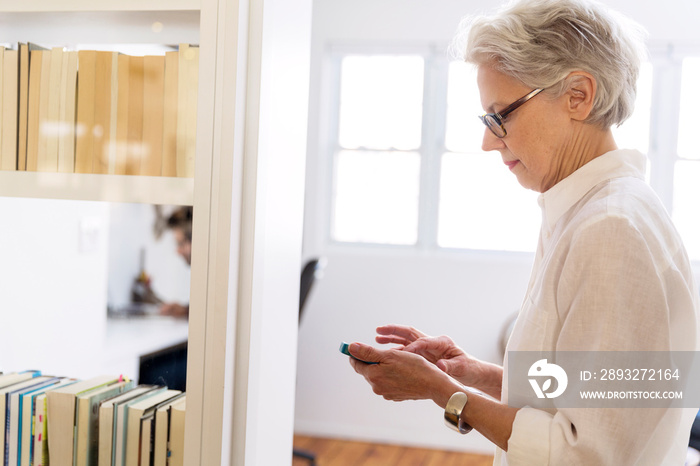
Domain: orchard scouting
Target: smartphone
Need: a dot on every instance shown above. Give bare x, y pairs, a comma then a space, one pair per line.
345, 349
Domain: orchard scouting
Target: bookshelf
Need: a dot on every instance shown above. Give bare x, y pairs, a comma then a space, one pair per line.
123, 25
247, 193
91, 187
89, 5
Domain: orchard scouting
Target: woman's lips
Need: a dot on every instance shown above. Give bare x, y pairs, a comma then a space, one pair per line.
512, 164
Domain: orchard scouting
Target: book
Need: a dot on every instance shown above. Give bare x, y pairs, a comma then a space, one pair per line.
85, 113
87, 421
105, 68
145, 451
3, 399
176, 441
34, 426
44, 123
26, 420
119, 435
135, 116
10, 108
16, 377
107, 419
33, 105
114, 112
134, 412
153, 95
10, 412
162, 429
67, 108
122, 123
61, 417
23, 101
2, 94
50, 126
102, 112
188, 81
170, 115
14, 417
40, 447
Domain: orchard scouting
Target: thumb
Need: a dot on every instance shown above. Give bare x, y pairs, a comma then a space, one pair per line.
445, 366
365, 353
418, 347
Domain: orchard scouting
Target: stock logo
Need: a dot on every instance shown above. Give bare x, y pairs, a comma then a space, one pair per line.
543, 370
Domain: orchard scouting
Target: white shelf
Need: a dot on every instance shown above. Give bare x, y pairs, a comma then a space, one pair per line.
126, 340
93, 5
143, 335
68, 28
88, 187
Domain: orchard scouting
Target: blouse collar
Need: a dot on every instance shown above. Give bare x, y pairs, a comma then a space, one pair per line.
556, 201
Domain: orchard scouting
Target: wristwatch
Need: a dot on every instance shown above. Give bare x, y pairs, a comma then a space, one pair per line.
453, 413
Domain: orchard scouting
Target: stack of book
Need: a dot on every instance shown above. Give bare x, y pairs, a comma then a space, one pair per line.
103, 421
98, 112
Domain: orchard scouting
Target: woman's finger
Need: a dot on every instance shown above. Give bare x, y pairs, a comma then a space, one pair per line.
388, 339
410, 334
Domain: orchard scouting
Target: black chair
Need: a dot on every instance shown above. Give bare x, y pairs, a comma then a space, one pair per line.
312, 271
695, 433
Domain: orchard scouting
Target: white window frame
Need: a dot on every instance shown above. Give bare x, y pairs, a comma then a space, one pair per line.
433, 113
665, 106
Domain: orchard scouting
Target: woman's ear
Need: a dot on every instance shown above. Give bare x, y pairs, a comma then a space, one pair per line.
580, 95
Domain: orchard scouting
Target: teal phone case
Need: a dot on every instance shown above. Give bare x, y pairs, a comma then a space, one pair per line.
345, 349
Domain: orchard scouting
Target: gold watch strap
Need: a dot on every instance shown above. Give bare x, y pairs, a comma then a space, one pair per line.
453, 413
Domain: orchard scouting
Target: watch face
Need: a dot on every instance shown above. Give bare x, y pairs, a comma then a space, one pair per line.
453, 413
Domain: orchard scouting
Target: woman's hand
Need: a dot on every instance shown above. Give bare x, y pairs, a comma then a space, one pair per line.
445, 355
441, 351
398, 334
402, 375
174, 309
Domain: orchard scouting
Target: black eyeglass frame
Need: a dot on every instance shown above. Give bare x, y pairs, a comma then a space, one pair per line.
498, 118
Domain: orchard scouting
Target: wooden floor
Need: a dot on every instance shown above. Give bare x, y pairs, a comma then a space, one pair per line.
333, 452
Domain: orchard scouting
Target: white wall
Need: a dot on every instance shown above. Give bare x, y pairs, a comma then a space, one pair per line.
466, 295
53, 285
57, 261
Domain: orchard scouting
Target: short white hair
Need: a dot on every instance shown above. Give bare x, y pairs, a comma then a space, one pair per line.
539, 42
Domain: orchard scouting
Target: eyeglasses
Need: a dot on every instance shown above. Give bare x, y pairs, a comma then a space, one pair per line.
494, 121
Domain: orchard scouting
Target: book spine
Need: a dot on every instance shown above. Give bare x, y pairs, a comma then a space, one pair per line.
6, 450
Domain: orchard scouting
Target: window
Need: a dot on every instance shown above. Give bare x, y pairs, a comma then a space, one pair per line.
686, 188
377, 163
408, 169
634, 133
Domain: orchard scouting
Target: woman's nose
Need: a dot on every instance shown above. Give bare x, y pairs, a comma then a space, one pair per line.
491, 141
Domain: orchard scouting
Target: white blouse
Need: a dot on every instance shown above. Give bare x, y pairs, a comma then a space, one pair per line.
610, 274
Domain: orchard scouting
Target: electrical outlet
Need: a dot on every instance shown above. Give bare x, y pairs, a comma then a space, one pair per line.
89, 235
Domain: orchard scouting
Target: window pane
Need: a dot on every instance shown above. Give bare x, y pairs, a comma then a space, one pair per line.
686, 192
634, 133
482, 205
376, 197
381, 102
464, 130
690, 103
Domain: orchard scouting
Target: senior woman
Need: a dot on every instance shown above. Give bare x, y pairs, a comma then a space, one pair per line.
610, 271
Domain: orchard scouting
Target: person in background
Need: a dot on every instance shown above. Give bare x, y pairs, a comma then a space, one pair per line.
180, 222
610, 272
